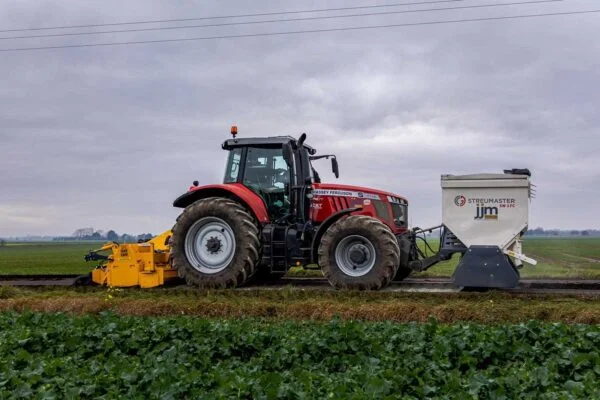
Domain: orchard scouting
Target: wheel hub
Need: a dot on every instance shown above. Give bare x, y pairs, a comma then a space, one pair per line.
359, 254
355, 255
210, 245
213, 245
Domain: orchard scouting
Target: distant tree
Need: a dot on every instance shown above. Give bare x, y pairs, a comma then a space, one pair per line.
83, 233
574, 233
112, 236
538, 231
125, 238
585, 233
144, 237
2, 243
96, 236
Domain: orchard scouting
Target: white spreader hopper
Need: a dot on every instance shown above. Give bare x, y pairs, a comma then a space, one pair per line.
488, 214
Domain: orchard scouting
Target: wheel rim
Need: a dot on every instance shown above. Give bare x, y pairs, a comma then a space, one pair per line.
210, 245
355, 255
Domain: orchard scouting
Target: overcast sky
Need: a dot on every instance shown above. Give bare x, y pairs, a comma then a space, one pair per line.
108, 137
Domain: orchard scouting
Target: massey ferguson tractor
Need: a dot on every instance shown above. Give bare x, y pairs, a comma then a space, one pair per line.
272, 212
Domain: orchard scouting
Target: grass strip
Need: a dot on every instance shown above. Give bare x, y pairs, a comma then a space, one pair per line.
298, 304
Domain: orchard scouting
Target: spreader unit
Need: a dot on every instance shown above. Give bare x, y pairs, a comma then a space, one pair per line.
484, 217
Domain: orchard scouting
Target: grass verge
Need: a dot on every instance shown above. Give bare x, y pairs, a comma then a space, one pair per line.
298, 304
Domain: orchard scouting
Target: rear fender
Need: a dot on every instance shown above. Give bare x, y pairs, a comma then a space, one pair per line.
234, 191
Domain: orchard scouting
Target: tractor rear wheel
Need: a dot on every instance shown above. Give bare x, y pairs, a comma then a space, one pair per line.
359, 252
215, 244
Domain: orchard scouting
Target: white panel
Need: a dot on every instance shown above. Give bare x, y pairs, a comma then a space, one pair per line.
485, 211
485, 183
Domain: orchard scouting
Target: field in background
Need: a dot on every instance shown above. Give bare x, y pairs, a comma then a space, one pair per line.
558, 258
46, 258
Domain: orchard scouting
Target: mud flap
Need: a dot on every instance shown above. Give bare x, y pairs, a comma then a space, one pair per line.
486, 267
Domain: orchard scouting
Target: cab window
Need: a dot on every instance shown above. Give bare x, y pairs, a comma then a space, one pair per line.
267, 174
233, 166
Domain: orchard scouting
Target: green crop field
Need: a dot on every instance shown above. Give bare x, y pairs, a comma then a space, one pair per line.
558, 258
106, 356
46, 258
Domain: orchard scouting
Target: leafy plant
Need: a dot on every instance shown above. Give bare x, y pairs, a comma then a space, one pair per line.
106, 356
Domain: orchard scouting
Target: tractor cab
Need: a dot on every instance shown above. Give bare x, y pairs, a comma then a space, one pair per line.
274, 168
260, 166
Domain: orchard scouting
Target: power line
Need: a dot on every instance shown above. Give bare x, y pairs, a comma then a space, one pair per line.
351, 28
264, 14
285, 20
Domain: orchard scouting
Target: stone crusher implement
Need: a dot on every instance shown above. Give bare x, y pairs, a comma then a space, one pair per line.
145, 264
484, 218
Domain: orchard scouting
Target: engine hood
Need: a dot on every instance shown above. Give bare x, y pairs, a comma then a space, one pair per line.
330, 189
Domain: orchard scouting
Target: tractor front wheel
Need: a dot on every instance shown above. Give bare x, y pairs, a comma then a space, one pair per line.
215, 244
359, 252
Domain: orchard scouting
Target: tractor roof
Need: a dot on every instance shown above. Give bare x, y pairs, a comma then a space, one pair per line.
261, 141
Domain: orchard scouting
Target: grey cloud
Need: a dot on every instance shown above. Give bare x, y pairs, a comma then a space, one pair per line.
110, 136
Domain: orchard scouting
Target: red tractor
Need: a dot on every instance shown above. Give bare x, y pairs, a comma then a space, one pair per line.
272, 212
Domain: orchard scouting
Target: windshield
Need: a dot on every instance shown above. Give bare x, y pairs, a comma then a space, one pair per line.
266, 169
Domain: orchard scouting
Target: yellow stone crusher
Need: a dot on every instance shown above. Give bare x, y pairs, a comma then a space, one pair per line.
146, 264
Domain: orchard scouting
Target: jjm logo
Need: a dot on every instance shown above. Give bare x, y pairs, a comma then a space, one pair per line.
482, 212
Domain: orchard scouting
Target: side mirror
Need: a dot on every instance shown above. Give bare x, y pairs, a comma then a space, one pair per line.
335, 167
288, 154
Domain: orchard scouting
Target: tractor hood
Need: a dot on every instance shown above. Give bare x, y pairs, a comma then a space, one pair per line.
330, 189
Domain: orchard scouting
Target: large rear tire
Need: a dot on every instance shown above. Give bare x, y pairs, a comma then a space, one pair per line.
359, 252
215, 244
